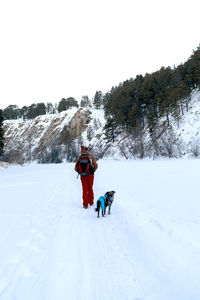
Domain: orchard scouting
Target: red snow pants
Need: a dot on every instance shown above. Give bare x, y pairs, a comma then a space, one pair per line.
88, 195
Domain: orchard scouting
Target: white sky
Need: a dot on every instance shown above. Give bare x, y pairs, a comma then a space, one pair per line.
58, 48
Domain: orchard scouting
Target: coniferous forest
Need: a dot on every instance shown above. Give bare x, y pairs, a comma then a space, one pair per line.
144, 100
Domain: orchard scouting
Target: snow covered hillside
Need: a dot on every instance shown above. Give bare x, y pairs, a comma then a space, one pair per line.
189, 127
181, 138
147, 249
55, 138
27, 140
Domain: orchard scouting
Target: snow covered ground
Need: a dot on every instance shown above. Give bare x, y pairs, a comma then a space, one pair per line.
147, 249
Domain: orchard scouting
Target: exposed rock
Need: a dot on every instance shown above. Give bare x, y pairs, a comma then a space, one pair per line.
30, 139
78, 123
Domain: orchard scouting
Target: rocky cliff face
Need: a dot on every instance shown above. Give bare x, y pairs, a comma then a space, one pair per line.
62, 133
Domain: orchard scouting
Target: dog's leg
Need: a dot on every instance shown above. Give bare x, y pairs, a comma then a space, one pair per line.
109, 209
102, 212
98, 208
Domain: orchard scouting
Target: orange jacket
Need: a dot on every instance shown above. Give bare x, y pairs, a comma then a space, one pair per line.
93, 161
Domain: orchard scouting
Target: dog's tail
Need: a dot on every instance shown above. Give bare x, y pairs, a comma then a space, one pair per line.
98, 206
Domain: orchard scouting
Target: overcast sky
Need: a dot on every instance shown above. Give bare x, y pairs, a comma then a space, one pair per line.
53, 49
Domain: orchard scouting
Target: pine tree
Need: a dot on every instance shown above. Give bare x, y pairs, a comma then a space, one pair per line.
111, 130
11, 112
98, 100
66, 104
90, 133
24, 112
85, 101
36, 110
49, 108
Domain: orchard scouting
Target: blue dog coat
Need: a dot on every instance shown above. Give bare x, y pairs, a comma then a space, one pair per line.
102, 200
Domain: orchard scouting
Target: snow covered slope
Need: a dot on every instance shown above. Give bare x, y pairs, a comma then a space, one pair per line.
30, 139
147, 249
189, 127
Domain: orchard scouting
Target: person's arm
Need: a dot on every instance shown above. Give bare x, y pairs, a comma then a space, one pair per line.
94, 163
76, 165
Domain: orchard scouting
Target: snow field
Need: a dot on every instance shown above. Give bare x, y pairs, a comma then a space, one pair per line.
147, 249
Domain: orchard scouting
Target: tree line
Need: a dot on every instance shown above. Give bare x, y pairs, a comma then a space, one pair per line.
13, 112
145, 100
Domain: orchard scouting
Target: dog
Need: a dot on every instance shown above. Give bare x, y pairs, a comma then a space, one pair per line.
103, 202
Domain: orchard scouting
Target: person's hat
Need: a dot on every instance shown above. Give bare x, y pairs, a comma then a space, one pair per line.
84, 148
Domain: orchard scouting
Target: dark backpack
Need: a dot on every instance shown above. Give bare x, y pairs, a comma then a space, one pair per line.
84, 166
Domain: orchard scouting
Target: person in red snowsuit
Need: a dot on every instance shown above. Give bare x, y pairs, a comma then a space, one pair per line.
86, 165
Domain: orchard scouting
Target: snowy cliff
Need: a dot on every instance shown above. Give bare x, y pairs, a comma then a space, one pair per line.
50, 135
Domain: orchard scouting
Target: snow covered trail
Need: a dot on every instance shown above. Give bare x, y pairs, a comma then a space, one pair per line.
51, 248
30, 207
147, 249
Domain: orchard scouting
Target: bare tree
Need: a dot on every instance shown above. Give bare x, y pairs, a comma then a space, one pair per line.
195, 148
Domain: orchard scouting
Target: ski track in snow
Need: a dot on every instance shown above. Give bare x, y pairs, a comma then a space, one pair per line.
53, 249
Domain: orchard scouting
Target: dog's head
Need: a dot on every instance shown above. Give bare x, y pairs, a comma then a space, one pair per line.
110, 197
